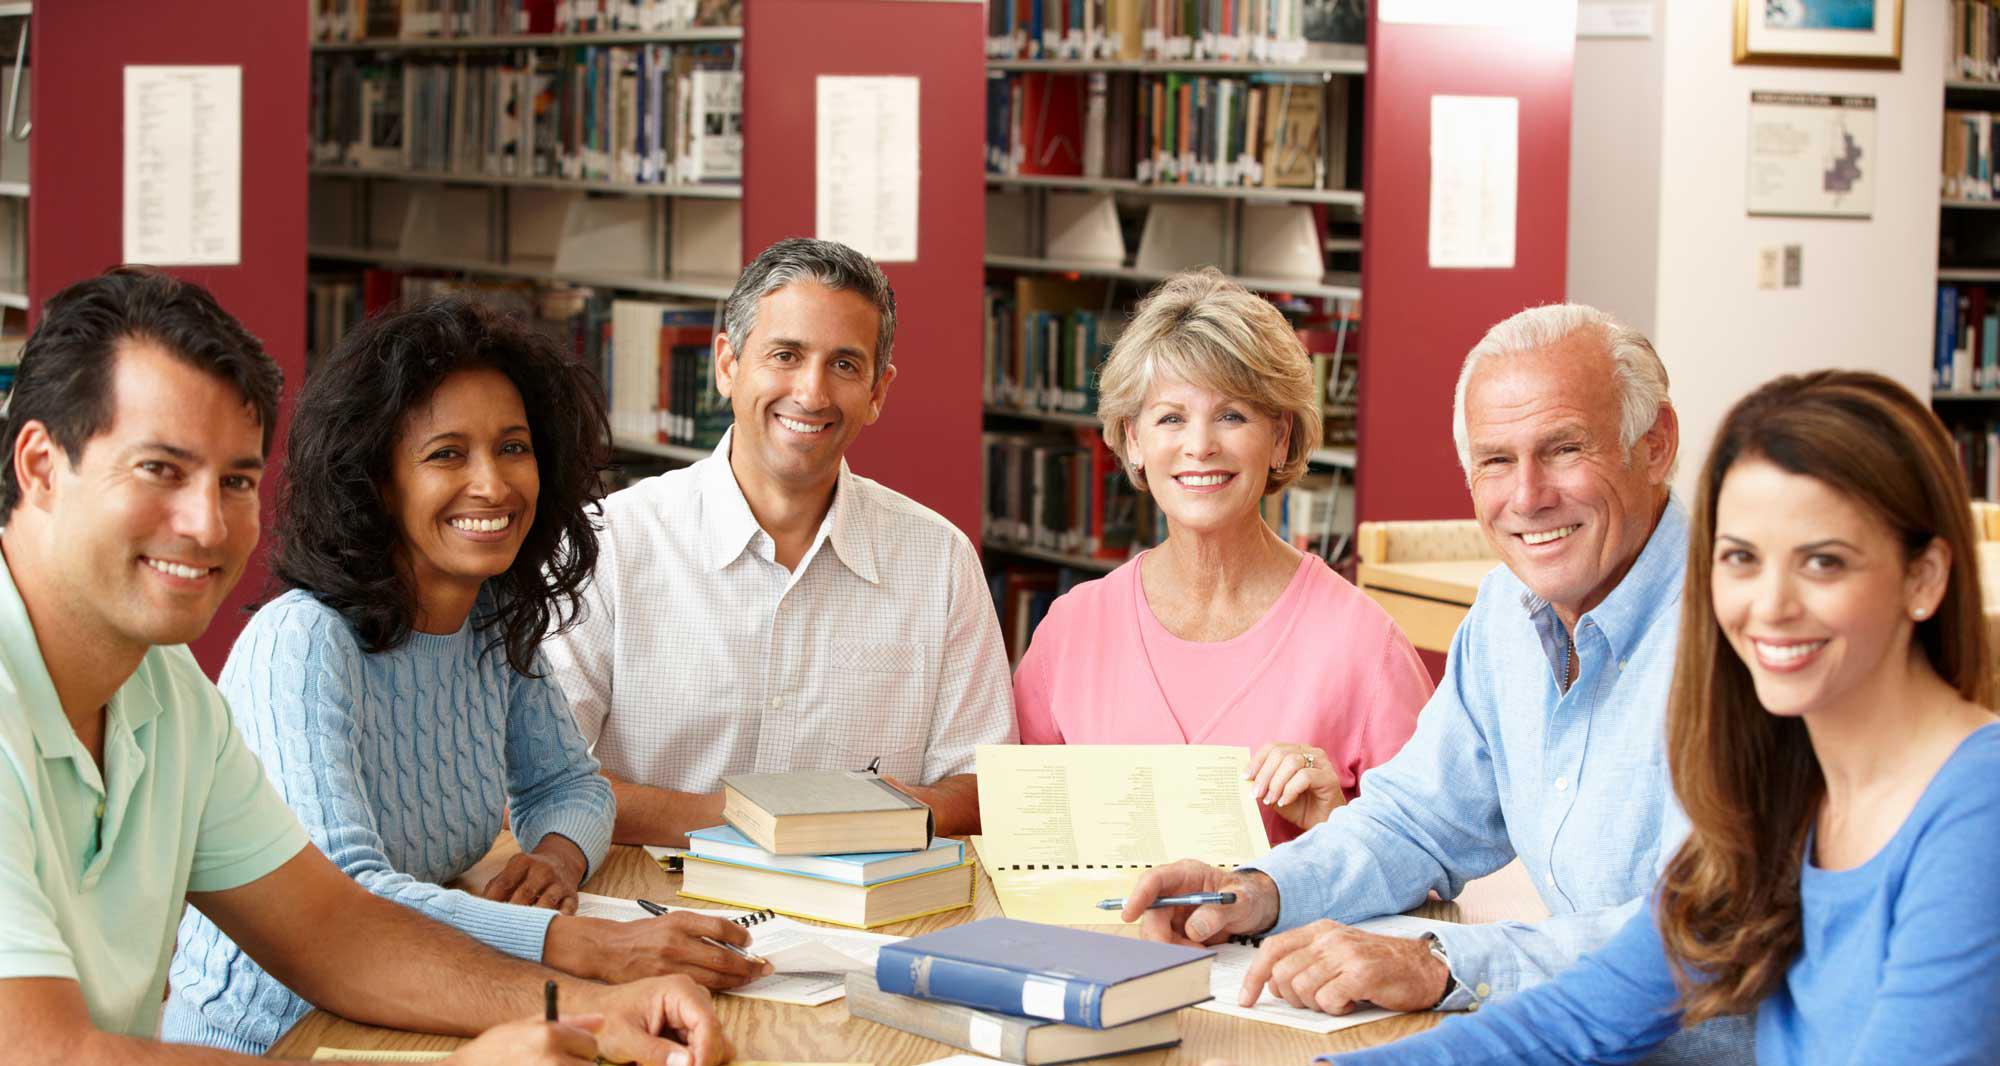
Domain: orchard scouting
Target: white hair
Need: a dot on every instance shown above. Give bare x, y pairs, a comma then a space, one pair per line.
1635, 366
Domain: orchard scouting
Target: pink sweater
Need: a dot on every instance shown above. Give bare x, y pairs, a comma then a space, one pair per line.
1325, 666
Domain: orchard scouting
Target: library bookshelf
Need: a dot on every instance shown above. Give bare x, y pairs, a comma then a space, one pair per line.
1965, 357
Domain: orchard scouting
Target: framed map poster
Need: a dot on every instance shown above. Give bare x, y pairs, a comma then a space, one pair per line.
1811, 154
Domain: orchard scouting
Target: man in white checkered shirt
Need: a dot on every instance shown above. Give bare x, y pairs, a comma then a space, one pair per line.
767, 609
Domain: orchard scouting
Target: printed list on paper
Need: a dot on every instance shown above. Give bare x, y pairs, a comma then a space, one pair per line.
1475, 157
184, 165
866, 177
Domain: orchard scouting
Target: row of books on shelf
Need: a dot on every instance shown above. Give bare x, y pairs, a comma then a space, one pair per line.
1967, 355
647, 113
1271, 130
1974, 49
1966, 171
357, 20
1979, 456
1230, 30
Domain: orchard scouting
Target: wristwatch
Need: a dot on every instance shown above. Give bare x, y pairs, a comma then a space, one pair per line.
1450, 979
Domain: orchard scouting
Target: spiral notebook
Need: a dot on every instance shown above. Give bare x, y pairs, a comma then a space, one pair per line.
1066, 825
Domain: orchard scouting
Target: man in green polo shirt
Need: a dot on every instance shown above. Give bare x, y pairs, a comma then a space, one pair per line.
135, 445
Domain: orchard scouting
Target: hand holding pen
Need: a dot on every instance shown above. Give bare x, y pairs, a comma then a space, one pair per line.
702, 947
1190, 902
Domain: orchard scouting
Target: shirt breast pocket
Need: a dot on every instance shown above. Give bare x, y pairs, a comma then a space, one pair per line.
887, 694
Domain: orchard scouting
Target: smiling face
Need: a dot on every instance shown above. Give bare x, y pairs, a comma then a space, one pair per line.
1812, 590
802, 385
463, 482
157, 520
1552, 486
1206, 457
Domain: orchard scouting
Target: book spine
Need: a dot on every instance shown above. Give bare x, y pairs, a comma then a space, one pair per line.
902, 971
1005, 1039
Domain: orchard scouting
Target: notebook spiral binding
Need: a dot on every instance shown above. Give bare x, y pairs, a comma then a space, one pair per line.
1080, 866
754, 918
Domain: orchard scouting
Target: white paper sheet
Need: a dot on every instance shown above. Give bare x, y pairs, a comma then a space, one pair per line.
1475, 172
1614, 18
184, 165
1232, 961
866, 174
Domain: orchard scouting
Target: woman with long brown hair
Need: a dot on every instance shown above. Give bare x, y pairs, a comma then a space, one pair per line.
1831, 741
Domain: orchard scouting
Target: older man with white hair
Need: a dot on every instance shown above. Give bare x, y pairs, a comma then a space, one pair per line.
1545, 740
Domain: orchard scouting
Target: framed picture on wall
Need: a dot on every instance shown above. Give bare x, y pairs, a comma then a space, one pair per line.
1820, 33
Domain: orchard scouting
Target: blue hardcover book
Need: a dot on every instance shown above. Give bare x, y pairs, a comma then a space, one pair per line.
1073, 976
724, 844
1947, 337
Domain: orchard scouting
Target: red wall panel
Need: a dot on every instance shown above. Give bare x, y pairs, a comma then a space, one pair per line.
926, 444
1420, 321
80, 50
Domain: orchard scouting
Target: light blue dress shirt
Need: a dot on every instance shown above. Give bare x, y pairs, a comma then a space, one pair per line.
1506, 764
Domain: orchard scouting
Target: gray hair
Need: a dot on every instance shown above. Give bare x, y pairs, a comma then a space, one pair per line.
1635, 366
827, 263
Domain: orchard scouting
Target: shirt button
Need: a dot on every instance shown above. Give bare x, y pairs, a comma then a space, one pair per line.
100, 809
774, 702
1621, 664
1483, 990
1562, 784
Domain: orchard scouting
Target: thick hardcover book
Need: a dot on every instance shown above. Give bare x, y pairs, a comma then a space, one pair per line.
1073, 976
1029, 1041
723, 844
824, 812
860, 906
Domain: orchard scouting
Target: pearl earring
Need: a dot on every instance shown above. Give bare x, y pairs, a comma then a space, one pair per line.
1918, 613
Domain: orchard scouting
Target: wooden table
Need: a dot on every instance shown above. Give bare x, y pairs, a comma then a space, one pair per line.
1428, 600
785, 1033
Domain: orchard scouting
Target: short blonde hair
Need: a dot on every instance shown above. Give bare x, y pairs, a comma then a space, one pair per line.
1209, 331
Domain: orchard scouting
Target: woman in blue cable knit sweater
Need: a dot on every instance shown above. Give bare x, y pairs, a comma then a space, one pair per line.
1831, 738
434, 524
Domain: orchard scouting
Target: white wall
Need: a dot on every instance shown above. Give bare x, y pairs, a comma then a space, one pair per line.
1614, 175
1868, 285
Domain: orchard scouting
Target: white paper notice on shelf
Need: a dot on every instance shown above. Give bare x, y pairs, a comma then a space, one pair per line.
866, 195
184, 165
1475, 171
1614, 18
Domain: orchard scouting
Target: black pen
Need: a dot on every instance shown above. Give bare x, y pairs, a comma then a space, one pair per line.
549, 999
871, 768
656, 910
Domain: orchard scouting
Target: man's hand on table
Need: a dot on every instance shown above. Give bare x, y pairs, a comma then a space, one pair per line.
546, 877
662, 1021
669, 944
570, 1042
1330, 967
1255, 909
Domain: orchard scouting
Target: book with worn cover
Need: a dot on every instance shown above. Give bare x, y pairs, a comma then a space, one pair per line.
824, 812
1029, 1041
1073, 976
723, 844
859, 906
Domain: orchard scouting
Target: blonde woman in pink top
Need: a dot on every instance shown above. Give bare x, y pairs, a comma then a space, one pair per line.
1223, 634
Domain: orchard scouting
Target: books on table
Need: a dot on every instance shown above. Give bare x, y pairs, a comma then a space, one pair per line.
824, 812
860, 906
1009, 1038
724, 844
1073, 976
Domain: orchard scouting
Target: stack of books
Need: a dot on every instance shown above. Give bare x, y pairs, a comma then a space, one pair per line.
845, 848
1029, 993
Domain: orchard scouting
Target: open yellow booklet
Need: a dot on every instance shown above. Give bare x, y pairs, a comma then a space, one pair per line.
1067, 825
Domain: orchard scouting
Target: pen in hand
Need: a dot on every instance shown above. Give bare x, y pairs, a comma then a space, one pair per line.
549, 999
1196, 899
656, 910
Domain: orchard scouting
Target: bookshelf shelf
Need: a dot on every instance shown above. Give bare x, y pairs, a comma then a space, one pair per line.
1974, 205
1332, 287
1258, 193
691, 34
704, 288
1161, 66
15, 189
1079, 562
1342, 456
17, 10
700, 192
14, 296
1971, 274
686, 453
1969, 396
1968, 85
1057, 418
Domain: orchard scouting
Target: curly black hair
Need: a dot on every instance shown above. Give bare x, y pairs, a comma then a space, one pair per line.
336, 536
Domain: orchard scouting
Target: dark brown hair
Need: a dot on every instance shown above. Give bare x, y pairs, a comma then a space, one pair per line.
1728, 905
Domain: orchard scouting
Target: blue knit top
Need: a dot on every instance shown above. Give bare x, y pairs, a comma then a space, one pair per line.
401, 765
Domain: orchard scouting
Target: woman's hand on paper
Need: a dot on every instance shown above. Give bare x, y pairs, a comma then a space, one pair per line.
1297, 780
669, 944
570, 1042
1330, 967
548, 876
1255, 909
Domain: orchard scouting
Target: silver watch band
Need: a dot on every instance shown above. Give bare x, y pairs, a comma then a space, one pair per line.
1451, 979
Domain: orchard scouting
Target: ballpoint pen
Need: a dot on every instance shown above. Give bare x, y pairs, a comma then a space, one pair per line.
1192, 900
549, 1000
656, 910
